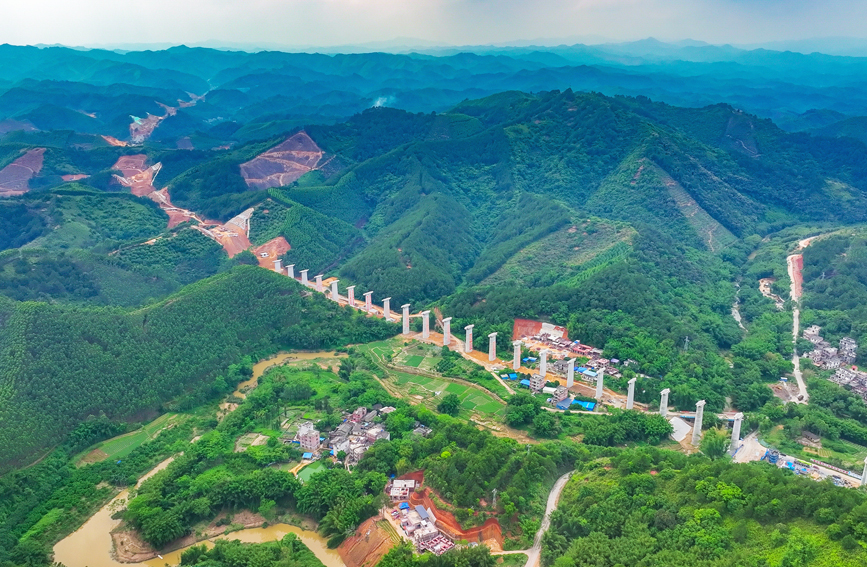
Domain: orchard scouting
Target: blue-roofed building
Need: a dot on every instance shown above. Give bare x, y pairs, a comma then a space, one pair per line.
513, 376
581, 370
419, 509
307, 456
586, 405
404, 506
532, 359
525, 383
589, 373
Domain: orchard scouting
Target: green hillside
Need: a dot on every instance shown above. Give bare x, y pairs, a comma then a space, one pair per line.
65, 363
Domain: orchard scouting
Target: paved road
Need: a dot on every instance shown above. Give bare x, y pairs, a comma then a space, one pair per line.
534, 553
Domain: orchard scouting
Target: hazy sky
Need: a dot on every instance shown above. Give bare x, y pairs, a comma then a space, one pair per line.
454, 22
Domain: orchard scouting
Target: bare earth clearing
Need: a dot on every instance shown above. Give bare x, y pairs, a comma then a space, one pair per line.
14, 177
283, 164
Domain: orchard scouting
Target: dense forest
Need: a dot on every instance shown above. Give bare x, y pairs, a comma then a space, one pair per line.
65, 364
651, 507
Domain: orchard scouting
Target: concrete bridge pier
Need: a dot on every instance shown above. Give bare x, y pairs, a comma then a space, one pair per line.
368, 301
663, 402
864, 474
600, 384
278, 266
350, 294
447, 331
570, 373
696, 429
630, 395
492, 347
736, 433
425, 325
543, 362
304, 277
386, 308
334, 295
405, 308
319, 283
468, 344
516, 359
290, 271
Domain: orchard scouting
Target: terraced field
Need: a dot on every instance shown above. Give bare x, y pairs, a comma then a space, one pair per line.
121, 446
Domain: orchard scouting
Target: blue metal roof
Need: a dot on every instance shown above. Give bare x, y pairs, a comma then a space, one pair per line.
307, 456
589, 373
404, 506
525, 382
586, 405
581, 369
513, 376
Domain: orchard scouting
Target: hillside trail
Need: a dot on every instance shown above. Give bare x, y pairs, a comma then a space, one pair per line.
535, 552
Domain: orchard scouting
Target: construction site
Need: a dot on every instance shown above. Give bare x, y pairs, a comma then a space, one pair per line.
15, 177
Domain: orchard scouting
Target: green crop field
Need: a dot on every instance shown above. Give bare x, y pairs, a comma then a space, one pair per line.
123, 445
414, 361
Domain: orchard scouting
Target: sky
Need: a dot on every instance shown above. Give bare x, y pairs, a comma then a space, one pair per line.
441, 22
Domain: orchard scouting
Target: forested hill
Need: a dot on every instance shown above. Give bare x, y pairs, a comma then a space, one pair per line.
64, 364
451, 199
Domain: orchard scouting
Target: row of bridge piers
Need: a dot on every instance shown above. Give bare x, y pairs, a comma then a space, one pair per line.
492, 348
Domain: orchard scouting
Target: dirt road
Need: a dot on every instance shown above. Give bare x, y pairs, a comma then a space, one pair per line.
534, 553
795, 265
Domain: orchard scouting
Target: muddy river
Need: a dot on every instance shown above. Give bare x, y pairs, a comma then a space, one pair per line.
91, 545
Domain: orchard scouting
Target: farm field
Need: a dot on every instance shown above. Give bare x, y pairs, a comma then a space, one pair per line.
121, 446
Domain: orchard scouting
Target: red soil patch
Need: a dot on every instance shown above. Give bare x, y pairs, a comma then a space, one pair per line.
74, 177
270, 251
284, 163
447, 523
114, 142
367, 546
527, 328
796, 274
136, 176
15, 177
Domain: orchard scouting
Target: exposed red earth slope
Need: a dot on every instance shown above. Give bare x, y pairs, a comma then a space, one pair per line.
283, 164
14, 178
270, 251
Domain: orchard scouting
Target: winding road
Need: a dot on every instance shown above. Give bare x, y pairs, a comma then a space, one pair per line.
534, 553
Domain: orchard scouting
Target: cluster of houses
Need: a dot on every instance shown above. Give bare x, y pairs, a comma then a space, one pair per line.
855, 380
354, 436
418, 523
826, 356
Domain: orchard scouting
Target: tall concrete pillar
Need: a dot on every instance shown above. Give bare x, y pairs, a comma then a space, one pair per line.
663, 402
319, 283
543, 362
864, 474
425, 324
736, 433
405, 308
570, 373
630, 394
368, 301
600, 383
492, 347
290, 271
516, 359
468, 344
334, 295
386, 308
278, 266
350, 294
696, 429
304, 277
447, 331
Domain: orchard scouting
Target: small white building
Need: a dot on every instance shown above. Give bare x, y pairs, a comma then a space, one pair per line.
400, 489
